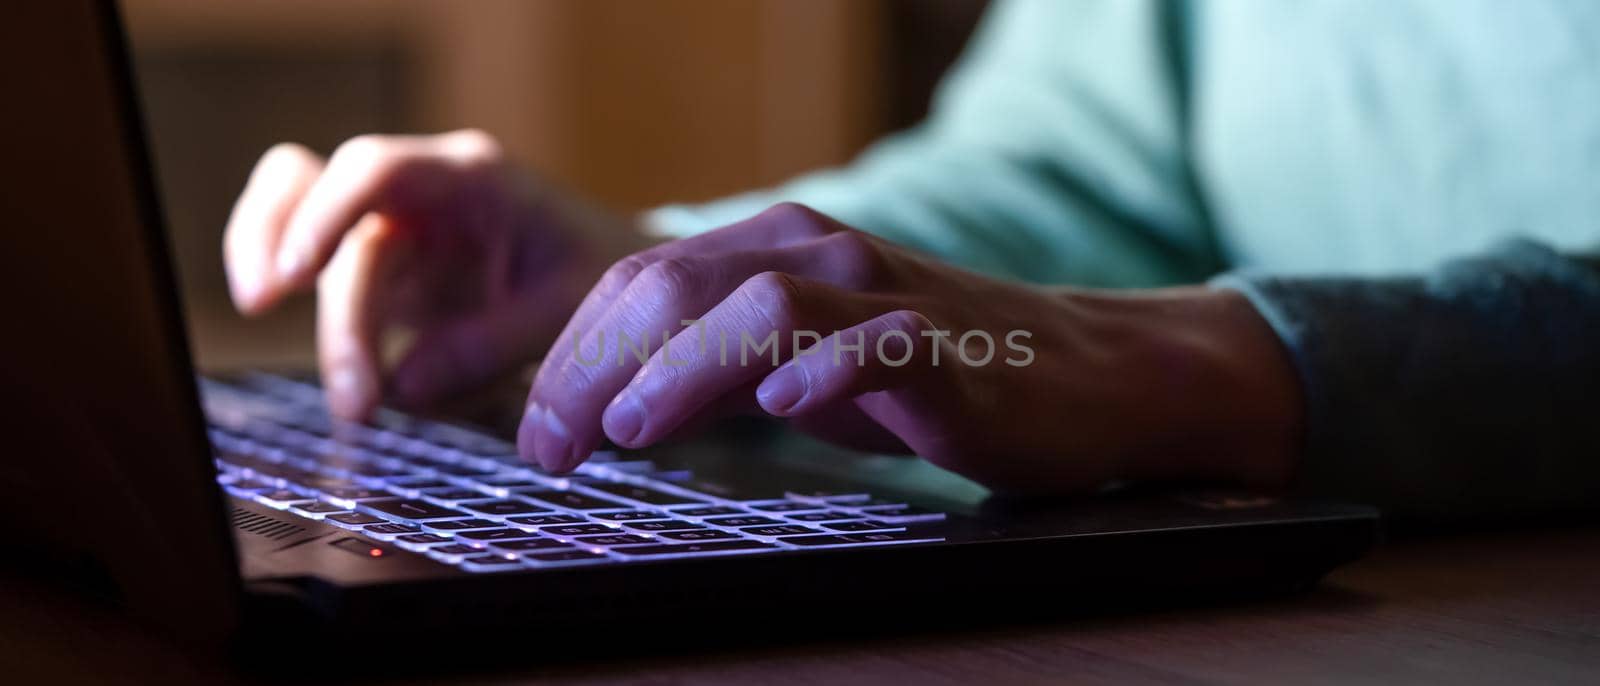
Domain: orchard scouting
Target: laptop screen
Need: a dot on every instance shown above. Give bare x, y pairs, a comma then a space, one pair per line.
106, 456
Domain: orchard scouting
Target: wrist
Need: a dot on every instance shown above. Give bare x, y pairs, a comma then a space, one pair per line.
1216, 384
1265, 425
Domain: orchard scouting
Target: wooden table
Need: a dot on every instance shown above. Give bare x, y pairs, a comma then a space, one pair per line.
1509, 607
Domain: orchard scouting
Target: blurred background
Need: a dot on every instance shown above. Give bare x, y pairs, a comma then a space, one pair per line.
632, 102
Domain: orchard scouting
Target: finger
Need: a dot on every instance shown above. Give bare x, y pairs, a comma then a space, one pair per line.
740, 340
887, 352
904, 378
276, 186
781, 225
350, 317
366, 174
582, 374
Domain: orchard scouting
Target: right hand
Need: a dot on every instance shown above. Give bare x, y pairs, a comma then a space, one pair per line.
436, 235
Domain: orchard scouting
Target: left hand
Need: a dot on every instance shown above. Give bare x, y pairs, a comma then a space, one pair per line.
1027, 389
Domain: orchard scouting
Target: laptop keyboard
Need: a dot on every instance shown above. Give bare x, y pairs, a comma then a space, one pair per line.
464, 498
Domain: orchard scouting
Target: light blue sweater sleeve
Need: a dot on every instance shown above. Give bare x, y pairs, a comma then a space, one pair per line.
1060, 151
1055, 153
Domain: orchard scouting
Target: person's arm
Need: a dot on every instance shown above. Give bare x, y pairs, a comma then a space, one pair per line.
1471, 390
1055, 153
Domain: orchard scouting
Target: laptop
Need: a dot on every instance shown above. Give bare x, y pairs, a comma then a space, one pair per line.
220, 506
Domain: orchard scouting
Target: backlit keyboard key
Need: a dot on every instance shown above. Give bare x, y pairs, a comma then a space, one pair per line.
883, 538
411, 510
629, 516
356, 494
353, 520
546, 520
614, 540
502, 486
419, 541
282, 497
452, 552
790, 506
563, 557
461, 469
320, 482
903, 513
287, 501
641, 494
454, 525
373, 472
829, 496
415, 485
485, 535
876, 502
781, 530
422, 539
672, 549
490, 563
391, 529
250, 486
570, 499
714, 511
626, 466
700, 535
579, 529
822, 516
453, 496
861, 525
316, 510
663, 525
742, 521
502, 508
527, 544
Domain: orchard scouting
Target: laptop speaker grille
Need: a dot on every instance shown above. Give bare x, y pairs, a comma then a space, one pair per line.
262, 525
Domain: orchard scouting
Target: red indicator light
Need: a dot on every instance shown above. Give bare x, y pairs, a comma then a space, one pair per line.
375, 552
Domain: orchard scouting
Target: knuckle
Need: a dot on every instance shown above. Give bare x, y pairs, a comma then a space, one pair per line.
799, 220
282, 160
775, 297
475, 145
671, 277
909, 321
856, 256
365, 150
285, 152
573, 379
620, 274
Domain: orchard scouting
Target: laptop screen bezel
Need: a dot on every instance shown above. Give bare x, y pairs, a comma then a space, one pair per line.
119, 470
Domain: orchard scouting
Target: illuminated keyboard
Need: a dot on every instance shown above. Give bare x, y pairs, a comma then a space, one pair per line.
463, 498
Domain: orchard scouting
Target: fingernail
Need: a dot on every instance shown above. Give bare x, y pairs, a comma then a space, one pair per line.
624, 418
288, 264
782, 390
344, 393
553, 443
528, 433
244, 293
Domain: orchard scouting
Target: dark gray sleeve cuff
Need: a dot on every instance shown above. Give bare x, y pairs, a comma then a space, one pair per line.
1471, 390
